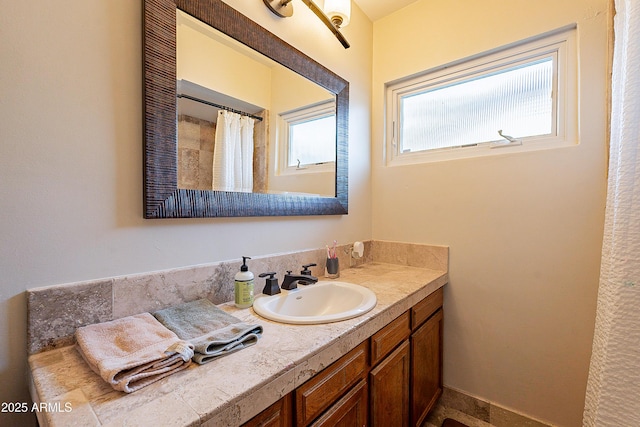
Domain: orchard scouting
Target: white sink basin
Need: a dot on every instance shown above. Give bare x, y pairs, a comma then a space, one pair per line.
323, 302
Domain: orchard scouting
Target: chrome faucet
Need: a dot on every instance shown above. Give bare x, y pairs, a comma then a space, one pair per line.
291, 281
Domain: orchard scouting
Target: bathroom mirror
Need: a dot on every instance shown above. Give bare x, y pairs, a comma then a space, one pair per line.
163, 197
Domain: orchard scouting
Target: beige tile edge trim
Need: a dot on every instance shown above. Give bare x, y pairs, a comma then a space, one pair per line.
487, 413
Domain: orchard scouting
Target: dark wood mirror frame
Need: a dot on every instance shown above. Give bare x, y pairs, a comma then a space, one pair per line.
162, 197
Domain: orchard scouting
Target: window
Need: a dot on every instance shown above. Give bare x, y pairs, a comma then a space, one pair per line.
307, 139
516, 98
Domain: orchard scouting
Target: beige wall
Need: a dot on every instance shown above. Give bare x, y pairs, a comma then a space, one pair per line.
199, 59
71, 158
525, 230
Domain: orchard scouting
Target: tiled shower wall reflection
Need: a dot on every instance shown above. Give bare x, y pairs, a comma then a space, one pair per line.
196, 139
195, 153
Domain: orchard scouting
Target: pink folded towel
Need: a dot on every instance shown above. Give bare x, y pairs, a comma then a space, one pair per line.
133, 352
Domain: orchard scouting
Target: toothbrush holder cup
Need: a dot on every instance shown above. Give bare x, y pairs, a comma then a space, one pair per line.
332, 268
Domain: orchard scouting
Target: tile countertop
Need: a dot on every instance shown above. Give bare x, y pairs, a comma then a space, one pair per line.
232, 389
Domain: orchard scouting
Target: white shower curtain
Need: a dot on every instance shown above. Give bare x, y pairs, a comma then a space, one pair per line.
246, 153
613, 388
233, 153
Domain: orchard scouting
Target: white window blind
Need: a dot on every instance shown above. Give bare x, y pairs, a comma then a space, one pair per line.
518, 101
312, 141
307, 139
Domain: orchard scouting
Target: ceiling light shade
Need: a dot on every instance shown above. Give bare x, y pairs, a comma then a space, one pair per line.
333, 21
339, 11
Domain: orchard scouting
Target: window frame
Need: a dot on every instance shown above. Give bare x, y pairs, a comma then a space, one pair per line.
300, 115
559, 44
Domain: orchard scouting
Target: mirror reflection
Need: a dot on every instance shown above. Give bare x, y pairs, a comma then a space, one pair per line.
247, 123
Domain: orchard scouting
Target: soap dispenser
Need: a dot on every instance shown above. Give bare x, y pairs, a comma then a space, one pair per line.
244, 286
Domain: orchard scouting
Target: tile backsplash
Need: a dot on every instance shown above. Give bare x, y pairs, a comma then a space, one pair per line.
55, 312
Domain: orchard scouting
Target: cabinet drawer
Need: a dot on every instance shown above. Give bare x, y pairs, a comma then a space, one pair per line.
387, 338
425, 308
317, 394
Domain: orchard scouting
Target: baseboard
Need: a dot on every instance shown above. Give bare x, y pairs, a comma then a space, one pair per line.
471, 406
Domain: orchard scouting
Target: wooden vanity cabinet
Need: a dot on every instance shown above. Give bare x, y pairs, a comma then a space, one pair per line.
392, 379
406, 383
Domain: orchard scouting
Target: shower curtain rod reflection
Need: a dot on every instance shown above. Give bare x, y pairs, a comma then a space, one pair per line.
223, 107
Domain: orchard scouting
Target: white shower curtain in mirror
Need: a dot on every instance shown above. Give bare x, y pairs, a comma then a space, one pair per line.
613, 388
233, 153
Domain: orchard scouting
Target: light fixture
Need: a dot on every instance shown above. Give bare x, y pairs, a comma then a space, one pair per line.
339, 11
338, 15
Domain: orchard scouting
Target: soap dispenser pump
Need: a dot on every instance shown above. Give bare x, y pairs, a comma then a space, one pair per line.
244, 286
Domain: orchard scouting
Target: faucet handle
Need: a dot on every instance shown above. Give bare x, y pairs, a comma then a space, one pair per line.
270, 274
306, 270
271, 287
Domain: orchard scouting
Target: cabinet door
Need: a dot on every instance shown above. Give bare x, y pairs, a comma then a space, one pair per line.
350, 411
389, 383
426, 368
280, 414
